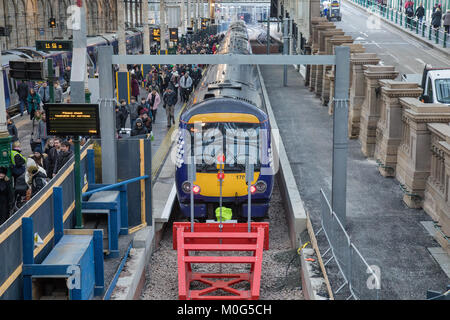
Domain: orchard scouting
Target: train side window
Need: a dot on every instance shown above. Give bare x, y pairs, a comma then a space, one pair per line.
12, 84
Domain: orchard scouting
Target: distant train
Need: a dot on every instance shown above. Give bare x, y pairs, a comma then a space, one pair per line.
226, 122
62, 59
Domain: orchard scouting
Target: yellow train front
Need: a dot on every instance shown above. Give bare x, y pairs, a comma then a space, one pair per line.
226, 123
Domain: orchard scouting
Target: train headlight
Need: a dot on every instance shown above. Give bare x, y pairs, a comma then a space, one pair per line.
260, 186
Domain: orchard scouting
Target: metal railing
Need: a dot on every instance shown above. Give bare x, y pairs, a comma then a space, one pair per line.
362, 280
423, 28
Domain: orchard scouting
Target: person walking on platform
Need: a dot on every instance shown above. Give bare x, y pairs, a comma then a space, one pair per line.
66, 77
18, 161
6, 195
35, 140
63, 157
436, 18
139, 128
170, 100
53, 156
118, 119
124, 113
186, 86
133, 110
135, 87
446, 19
144, 107
44, 94
153, 100
22, 91
34, 102
147, 122
58, 92
12, 130
420, 13
196, 76
42, 130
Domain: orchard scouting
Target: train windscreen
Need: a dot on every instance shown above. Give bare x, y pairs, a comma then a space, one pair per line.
236, 140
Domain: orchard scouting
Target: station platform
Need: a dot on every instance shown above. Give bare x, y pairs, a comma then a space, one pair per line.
388, 234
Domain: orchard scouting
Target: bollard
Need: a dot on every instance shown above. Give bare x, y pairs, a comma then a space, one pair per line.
429, 33
423, 29
401, 19
436, 35
396, 17
445, 40
417, 27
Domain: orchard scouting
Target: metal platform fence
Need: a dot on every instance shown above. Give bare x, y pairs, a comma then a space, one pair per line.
422, 28
362, 280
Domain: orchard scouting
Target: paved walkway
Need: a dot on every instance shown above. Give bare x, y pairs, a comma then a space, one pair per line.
387, 233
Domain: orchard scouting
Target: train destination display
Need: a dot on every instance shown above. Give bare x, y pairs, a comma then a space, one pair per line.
73, 119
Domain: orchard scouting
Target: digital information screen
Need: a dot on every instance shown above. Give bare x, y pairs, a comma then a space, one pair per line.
54, 45
156, 34
68, 119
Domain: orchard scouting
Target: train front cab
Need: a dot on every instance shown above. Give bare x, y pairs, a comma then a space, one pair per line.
234, 186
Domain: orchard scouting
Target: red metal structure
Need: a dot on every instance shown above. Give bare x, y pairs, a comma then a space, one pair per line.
209, 237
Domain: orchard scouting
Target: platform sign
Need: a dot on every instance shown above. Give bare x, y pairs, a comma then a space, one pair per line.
204, 23
156, 34
173, 34
54, 45
68, 119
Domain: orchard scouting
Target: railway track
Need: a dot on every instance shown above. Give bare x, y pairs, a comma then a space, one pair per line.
280, 279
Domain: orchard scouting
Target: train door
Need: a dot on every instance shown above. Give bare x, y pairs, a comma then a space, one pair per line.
6, 89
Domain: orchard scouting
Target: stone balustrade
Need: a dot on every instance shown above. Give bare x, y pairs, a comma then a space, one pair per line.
370, 108
357, 89
414, 153
437, 189
389, 126
315, 50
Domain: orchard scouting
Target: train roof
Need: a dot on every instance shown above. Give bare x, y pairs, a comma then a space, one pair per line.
223, 105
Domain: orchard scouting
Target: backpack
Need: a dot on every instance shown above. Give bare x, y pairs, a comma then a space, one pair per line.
410, 11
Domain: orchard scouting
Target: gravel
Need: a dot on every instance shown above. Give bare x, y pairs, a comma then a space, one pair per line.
280, 280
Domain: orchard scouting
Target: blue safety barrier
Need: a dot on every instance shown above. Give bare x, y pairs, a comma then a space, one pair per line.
76, 258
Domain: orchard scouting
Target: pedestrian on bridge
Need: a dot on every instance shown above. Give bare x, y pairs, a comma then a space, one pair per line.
446, 19
420, 13
436, 18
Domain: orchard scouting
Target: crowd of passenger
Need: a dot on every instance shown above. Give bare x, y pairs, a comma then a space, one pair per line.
164, 85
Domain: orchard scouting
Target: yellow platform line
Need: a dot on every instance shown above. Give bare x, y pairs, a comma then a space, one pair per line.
160, 155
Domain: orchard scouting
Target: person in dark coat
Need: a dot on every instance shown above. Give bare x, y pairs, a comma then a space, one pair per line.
22, 91
66, 76
53, 156
6, 195
124, 111
170, 100
139, 128
118, 119
18, 161
133, 109
64, 155
436, 18
12, 130
135, 88
420, 13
